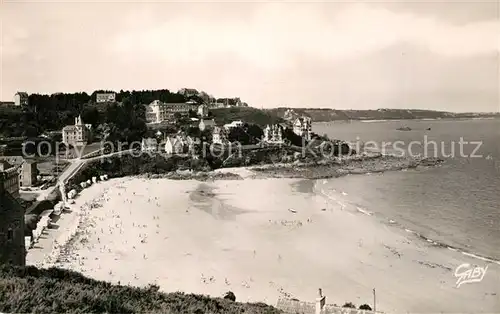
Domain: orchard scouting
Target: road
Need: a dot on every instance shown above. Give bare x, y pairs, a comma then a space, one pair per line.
71, 170
123, 152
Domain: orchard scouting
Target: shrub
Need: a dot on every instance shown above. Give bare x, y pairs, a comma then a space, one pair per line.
33, 290
365, 307
230, 296
349, 305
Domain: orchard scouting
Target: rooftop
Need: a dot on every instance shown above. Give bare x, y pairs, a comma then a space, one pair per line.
13, 160
4, 165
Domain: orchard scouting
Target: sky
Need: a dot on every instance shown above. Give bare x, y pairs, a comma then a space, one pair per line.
345, 55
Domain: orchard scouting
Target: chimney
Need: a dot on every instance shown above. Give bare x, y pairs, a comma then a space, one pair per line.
320, 302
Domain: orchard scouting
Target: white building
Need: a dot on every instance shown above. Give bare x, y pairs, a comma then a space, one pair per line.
218, 135
273, 134
206, 124
78, 134
234, 124
21, 99
202, 111
302, 126
105, 97
158, 111
177, 145
149, 144
188, 92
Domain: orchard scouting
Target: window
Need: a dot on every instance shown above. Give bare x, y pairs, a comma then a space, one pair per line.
10, 234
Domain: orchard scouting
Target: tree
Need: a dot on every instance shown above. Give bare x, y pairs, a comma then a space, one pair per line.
239, 135
349, 305
90, 115
365, 307
193, 131
292, 137
255, 133
30, 131
230, 296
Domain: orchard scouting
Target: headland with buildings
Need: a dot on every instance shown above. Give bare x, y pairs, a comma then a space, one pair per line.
264, 219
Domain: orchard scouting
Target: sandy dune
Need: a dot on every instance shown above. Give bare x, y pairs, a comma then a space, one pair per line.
240, 235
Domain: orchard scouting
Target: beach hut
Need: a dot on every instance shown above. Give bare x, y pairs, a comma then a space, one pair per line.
36, 234
45, 216
94, 179
89, 183
83, 185
105, 177
27, 242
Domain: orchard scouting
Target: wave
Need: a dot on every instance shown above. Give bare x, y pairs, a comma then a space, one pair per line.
394, 223
363, 211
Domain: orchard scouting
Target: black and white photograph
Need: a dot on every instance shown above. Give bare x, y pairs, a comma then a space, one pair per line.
280, 157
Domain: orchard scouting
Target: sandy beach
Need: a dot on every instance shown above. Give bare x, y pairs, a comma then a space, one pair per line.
241, 236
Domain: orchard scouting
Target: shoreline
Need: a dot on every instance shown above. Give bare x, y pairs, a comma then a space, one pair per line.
219, 199
394, 224
312, 171
356, 165
365, 165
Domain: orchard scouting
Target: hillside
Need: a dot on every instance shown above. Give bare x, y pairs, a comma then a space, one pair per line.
247, 114
32, 290
325, 115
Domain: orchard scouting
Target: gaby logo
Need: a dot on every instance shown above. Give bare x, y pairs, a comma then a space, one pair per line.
467, 273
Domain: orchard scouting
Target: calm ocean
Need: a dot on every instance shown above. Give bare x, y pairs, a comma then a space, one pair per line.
457, 204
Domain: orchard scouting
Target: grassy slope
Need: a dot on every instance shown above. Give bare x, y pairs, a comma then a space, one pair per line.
32, 290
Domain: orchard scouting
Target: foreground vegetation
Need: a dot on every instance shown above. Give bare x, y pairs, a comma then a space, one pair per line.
32, 290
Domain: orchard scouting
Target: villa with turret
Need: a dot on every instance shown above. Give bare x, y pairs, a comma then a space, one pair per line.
78, 134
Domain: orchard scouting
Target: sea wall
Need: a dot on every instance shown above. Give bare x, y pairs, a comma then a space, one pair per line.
290, 306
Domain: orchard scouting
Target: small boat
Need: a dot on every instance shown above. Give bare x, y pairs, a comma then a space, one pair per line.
292, 210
